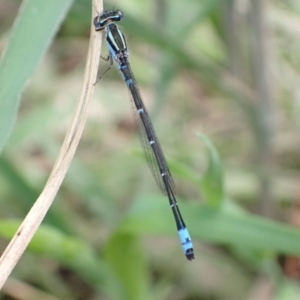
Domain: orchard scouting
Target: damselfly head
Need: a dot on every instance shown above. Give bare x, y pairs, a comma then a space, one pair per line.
108, 16
118, 15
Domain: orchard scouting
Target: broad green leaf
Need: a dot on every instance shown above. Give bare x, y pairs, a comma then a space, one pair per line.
214, 225
212, 185
32, 33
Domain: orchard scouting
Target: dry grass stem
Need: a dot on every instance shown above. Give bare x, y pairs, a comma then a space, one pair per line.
37, 213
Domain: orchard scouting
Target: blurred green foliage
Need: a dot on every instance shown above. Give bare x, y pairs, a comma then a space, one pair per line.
110, 233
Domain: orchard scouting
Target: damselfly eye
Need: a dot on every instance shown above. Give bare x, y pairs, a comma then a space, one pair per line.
120, 14
99, 24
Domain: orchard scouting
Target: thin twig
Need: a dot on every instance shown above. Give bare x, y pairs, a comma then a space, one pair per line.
37, 213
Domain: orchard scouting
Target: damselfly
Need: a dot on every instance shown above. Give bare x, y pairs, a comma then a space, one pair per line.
117, 47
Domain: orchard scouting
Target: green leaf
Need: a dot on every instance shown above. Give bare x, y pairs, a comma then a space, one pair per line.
125, 256
71, 252
212, 185
33, 31
26, 195
153, 216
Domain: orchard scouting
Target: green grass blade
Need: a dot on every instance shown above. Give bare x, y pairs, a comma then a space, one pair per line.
212, 185
70, 252
32, 34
